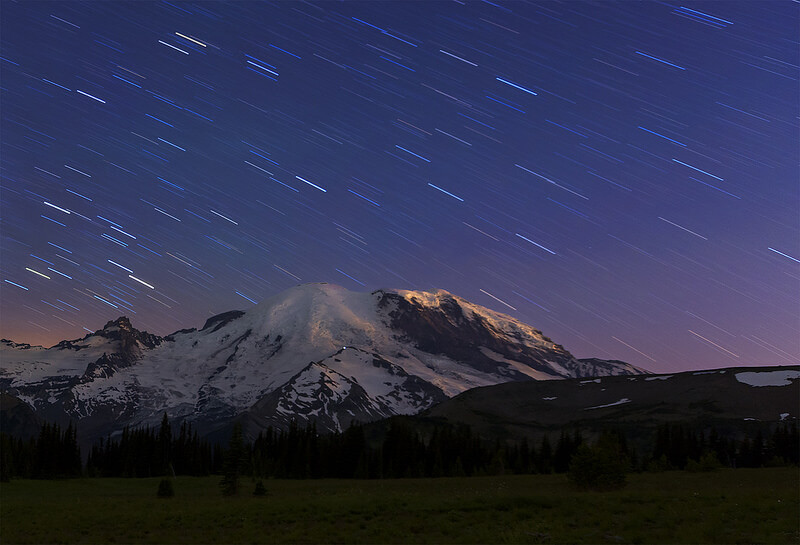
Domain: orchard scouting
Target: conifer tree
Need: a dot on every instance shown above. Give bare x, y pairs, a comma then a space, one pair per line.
164, 446
234, 460
6, 458
544, 458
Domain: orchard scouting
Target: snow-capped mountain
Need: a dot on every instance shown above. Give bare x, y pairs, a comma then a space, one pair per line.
313, 352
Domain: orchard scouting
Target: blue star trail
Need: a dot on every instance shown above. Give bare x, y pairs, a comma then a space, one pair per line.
602, 171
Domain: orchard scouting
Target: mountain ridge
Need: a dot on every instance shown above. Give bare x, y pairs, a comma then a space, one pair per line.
730, 400
393, 351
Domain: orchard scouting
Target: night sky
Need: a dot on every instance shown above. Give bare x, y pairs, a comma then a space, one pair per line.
621, 175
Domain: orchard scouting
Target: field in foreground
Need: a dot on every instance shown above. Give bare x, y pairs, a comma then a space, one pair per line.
727, 506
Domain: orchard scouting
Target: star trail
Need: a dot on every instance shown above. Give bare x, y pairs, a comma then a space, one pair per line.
621, 175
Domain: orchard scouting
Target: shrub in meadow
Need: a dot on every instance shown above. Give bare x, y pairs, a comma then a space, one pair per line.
602, 466
165, 489
260, 490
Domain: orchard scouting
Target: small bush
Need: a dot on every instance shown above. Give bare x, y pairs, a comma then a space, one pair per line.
601, 467
260, 490
707, 462
165, 489
776, 461
658, 465
229, 485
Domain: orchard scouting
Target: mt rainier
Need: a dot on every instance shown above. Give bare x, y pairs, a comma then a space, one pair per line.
315, 352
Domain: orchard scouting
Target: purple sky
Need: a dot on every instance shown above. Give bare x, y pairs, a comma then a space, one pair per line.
622, 176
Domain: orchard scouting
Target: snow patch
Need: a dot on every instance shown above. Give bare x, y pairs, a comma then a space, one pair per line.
784, 416
549, 398
522, 368
559, 368
767, 378
662, 377
620, 402
597, 380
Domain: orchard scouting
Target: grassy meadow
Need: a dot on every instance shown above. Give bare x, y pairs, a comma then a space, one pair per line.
726, 506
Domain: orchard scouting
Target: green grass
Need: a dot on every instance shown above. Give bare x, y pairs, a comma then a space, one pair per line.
727, 506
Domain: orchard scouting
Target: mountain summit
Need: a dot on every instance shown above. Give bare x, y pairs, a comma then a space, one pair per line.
313, 352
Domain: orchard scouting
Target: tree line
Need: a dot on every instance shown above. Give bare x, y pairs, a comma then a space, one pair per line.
145, 452
52, 454
401, 451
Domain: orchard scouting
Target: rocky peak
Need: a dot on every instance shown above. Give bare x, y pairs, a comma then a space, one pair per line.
122, 323
220, 320
130, 338
12, 344
125, 348
441, 323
